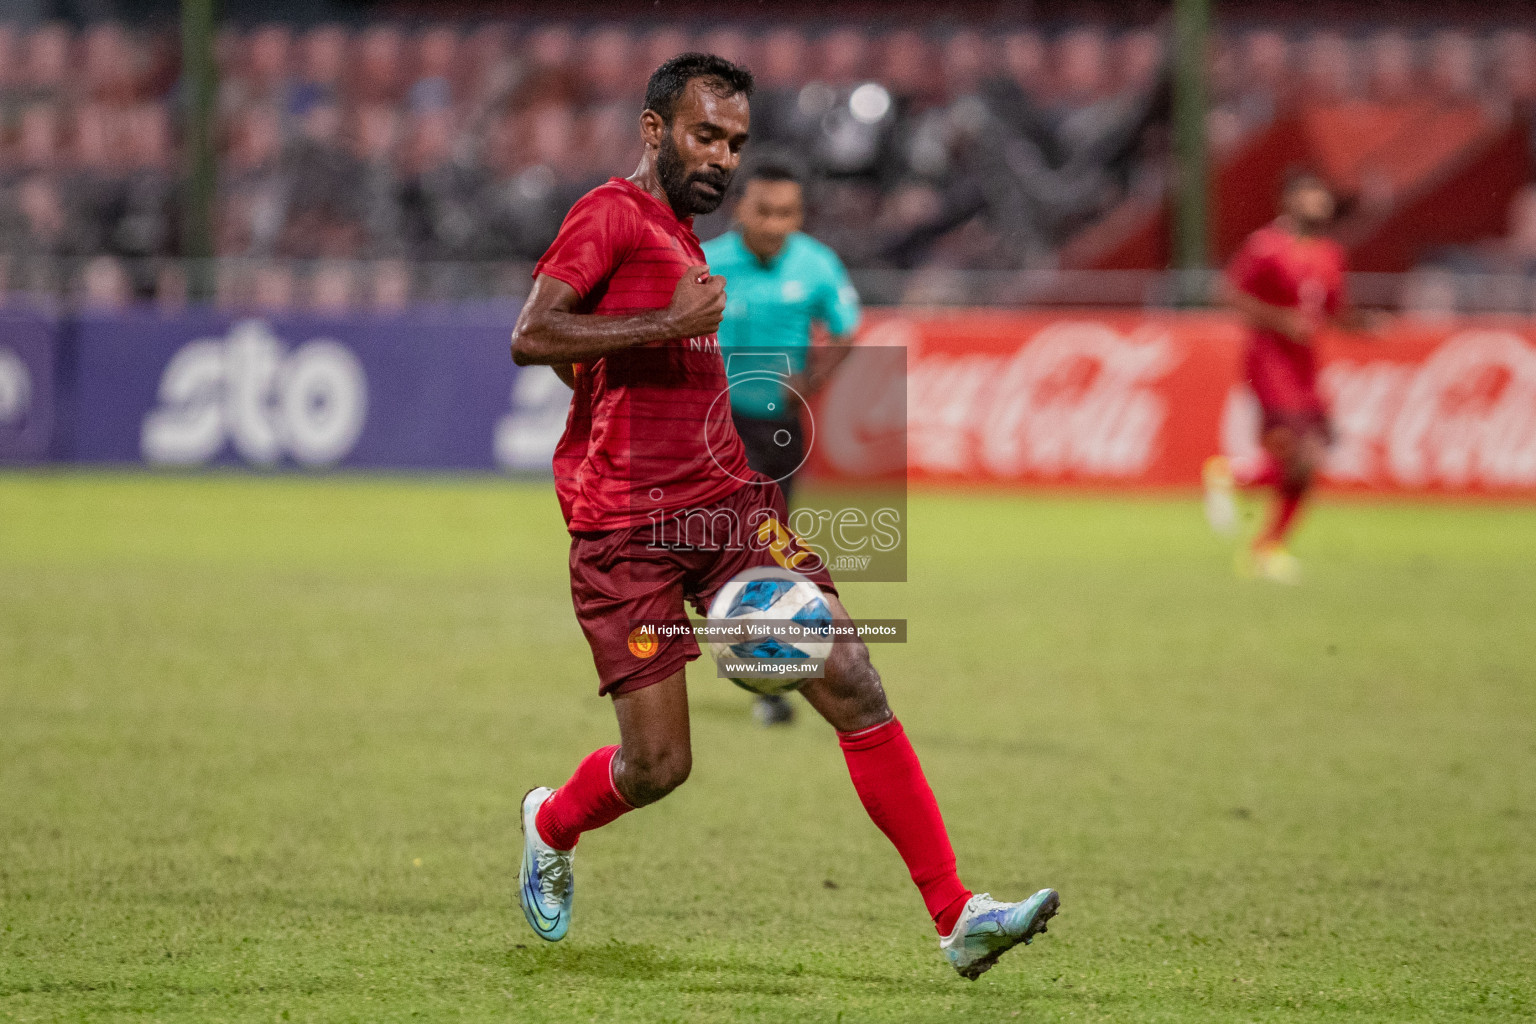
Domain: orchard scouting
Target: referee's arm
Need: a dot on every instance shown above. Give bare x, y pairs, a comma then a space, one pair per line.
837, 309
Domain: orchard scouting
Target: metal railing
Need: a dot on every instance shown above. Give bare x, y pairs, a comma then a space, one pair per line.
105, 282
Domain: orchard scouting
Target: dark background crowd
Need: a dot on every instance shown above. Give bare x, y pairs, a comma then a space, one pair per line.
384, 162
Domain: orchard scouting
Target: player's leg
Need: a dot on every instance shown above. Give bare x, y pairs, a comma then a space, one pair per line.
887, 775
655, 752
617, 582
1296, 447
1298, 450
652, 758
891, 785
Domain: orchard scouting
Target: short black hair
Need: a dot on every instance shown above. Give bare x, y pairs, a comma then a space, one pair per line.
772, 171
667, 82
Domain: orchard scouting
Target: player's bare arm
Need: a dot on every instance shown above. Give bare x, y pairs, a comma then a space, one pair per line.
549, 333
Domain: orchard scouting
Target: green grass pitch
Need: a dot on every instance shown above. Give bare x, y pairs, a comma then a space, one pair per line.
262, 743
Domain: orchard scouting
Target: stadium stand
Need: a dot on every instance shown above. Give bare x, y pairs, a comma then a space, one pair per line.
367, 165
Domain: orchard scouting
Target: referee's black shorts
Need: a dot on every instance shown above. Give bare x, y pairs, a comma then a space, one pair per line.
775, 448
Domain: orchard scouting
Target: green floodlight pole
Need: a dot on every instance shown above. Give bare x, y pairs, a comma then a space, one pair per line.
1191, 222
200, 84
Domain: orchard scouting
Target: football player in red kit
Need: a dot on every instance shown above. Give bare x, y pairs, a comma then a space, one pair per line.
1287, 284
625, 310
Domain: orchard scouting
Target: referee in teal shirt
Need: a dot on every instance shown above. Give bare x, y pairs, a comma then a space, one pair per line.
778, 282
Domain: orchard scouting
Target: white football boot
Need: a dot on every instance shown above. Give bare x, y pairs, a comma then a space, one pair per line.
987, 929
1220, 495
545, 884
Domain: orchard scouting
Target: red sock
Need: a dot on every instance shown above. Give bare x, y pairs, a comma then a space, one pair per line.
1287, 504
890, 782
588, 800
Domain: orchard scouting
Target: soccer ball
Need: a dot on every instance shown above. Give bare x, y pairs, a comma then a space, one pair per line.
764, 602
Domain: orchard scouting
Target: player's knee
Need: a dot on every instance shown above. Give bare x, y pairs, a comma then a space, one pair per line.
650, 775
1299, 470
855, 685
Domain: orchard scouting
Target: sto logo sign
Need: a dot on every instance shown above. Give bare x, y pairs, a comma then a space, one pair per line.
248, 391
15, 389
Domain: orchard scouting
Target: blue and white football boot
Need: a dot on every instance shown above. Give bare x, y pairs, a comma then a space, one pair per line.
987, 929
545, 884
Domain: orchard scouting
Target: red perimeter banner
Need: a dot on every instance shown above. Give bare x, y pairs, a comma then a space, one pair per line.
1137, 400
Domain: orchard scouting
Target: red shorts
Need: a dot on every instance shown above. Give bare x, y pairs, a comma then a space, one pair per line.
1284, 378
620, 578
1297, 421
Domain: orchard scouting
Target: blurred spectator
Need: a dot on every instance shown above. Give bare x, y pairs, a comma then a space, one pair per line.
264, 76
444, 145
252, 185
322, 211
380, 65
108, 65
37, 237
441, 195
1022, 168
93, 194
144, 228
373, 139
542, 178
46, 62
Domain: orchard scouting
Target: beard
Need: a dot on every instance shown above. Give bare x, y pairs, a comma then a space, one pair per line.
683, 189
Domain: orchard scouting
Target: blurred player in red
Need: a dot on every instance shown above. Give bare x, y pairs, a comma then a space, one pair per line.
626, 311
1287, 284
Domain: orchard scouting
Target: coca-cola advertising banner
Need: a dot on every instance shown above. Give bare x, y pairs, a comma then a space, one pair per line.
1136, 400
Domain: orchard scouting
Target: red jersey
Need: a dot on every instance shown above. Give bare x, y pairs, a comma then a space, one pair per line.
1282, 269
649, 431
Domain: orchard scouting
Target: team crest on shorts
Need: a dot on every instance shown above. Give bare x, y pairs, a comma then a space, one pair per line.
643, 642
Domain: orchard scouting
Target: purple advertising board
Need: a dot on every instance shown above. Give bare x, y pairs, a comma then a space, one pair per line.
431, 389
29, 400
